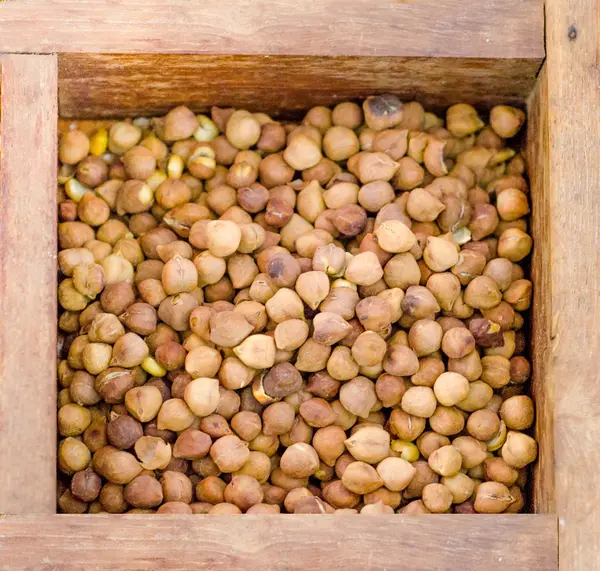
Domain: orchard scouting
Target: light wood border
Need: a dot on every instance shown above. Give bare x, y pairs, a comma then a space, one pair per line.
28, 284
503, 29
279, 543
573, 158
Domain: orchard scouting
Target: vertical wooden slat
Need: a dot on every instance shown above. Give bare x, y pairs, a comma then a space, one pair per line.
543, 497
28, 284
573, 47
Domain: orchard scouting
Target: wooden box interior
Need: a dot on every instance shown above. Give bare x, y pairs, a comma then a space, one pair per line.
111, 86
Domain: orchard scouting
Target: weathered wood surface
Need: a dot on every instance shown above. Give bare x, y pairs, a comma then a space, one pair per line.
102, 85
538, 148
573, 66
430, 28
28, 284
279, 543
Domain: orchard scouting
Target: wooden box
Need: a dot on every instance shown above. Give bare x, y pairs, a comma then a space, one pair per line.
111, 58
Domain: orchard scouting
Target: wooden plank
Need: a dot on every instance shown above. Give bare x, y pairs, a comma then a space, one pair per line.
573, 35
538, 149
28, 284
101, 85
286, 543
434, 28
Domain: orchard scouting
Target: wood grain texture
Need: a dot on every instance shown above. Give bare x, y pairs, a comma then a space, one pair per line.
28, 284
101, 85
279, 543
434, 28
573, 65
538, 148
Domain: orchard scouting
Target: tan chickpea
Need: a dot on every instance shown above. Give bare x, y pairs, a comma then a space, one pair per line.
492, 497
517, 412
437, 498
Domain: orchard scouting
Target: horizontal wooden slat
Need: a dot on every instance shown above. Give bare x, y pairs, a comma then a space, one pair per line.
279, 543
28, 284
435, 28
101, 85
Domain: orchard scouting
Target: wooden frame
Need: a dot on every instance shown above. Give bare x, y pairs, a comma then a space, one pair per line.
494, 47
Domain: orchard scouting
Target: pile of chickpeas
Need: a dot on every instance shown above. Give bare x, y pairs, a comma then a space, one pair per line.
275, 317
